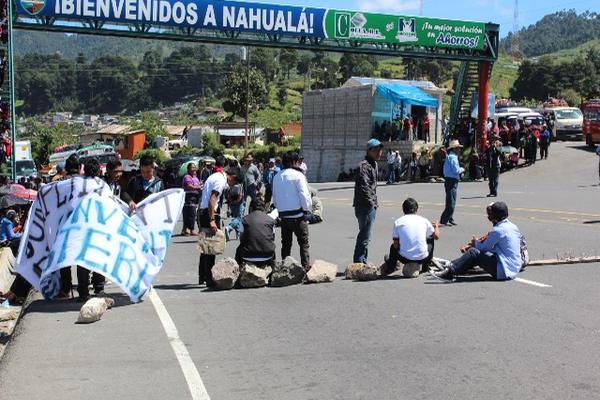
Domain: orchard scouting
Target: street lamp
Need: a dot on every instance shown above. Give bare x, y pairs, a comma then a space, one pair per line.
244, 55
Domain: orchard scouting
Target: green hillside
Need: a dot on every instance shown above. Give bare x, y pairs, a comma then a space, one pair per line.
504, 75
569, 55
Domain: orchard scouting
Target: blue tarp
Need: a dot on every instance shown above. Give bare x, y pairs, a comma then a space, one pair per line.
405, 94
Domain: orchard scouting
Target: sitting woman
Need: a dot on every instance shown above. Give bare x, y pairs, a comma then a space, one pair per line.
257, 240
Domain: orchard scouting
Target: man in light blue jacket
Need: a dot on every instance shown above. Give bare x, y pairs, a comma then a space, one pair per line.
498, 253
452, 171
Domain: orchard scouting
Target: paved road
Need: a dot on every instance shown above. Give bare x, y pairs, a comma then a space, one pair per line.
388, 339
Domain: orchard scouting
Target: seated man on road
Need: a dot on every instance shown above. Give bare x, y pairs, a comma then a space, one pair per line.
257, 240
413, 238
316, 214
498, 252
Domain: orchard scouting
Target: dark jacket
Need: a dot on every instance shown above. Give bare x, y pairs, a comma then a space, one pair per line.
493, 157
115, 187
135, 188
258, 238
365, 187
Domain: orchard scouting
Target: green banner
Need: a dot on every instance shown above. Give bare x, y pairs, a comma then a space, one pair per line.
394, 29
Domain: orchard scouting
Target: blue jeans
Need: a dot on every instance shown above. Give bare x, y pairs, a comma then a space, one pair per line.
451, 186
391, 174
494, 177
237, 212
473, 258
366, 219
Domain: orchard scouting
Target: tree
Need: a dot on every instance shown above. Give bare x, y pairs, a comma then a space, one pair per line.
303, 65
112, 83
282, 96
326, 76
357, 65
288, 59
151, 124
264, 60
235, 90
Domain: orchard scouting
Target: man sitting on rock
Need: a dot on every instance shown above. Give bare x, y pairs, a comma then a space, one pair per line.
413, 237
257, 240
498, 252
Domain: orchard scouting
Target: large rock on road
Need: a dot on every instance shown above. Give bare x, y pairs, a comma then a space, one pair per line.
286, 273
225, 274
321, 271
252, 276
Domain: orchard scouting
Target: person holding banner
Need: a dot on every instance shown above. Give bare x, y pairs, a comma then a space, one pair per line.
91, 170
114, 172
72, 168
208, 214
145, 184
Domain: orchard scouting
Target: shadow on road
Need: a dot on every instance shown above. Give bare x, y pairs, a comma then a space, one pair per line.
179, 286
58, 306
582, 147
591, 222
473, 197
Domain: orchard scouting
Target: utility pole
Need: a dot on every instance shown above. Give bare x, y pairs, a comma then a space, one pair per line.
245, 56
514, 45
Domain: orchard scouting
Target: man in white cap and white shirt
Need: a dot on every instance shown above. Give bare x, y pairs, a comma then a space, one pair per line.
452, 171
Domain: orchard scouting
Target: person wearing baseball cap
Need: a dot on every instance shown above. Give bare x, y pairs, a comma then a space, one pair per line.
498, 252
452, 171
365, 199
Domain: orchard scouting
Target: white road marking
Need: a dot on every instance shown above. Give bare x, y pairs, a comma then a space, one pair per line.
194, 381
532, 283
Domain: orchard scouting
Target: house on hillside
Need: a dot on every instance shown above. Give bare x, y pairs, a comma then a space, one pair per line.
127, 142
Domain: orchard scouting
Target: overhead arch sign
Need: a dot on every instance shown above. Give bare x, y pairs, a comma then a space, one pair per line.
268, 18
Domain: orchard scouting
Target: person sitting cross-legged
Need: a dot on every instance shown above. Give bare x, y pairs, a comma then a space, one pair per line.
413, 237
498, 252
257, 240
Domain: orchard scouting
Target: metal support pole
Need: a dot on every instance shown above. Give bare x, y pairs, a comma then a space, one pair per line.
247, 97
11, 83
482, 106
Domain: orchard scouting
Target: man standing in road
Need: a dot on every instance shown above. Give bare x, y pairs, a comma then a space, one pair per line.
208, 214
391, 162
545, 138
492, 159
251, 177
365, 199
291, 197
452, 171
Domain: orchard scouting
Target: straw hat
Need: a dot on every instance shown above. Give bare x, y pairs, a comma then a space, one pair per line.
454, 144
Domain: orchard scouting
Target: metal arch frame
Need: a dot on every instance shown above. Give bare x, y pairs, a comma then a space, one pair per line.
147, 31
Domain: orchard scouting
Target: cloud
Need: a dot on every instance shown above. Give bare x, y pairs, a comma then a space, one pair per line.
394, 6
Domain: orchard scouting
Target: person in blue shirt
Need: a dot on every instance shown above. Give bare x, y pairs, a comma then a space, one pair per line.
7, 232
498, 253
452, 171
545, 139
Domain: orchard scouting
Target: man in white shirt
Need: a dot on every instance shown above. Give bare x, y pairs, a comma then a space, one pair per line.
413, 238
208, 214
291, 197
391, 162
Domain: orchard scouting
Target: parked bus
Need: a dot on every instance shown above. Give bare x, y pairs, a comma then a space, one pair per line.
591, 121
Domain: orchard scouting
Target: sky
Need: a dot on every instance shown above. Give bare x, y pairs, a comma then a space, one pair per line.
497, 11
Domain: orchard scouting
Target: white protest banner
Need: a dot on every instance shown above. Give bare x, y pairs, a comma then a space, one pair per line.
79, 222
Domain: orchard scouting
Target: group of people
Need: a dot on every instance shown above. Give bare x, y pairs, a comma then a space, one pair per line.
498, 252
292, 209
403, 128
137, 189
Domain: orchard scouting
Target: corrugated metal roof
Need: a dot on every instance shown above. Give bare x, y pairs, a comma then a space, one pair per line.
374, 81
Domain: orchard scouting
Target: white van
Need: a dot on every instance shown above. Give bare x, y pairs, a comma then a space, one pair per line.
568, 123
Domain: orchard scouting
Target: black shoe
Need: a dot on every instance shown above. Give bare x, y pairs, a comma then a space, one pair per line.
445, 275
452, 223
489, 195
82, 298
